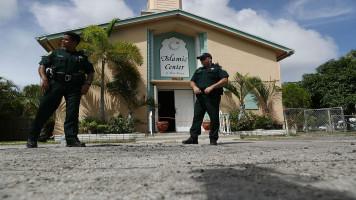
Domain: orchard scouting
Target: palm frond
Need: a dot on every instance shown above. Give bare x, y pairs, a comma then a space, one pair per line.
111, 26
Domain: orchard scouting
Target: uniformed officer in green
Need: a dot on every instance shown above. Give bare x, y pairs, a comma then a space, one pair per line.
207, 83
67, 80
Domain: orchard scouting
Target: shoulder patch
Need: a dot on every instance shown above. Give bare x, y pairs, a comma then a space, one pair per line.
49, 53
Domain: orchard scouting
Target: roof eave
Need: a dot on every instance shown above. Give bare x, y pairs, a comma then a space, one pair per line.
285, 55
178, 12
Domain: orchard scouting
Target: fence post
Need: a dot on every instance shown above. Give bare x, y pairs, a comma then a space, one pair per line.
343, 120
286, 121
329, 121
150, 123
306, 121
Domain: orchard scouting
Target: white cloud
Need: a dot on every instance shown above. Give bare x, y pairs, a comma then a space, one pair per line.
311, 48
319, 9
8, 10
78, 13
20, 58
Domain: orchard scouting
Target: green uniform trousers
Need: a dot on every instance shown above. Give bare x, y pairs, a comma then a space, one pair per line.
210, 104
49, 104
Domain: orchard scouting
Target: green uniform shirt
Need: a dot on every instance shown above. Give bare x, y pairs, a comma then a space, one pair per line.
68, 62
205, 77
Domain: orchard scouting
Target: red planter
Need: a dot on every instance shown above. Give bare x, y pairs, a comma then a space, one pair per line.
162, 126
206, 125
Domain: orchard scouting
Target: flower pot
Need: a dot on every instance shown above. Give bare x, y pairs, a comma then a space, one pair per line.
206, 125
162, 126
278, 126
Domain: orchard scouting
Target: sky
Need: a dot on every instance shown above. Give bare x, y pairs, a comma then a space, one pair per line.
317, 30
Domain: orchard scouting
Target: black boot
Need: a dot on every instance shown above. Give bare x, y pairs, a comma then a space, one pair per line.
31, 143
213, 141
75, 143
190, 140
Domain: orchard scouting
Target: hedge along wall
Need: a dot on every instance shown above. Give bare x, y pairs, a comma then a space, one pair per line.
14, 129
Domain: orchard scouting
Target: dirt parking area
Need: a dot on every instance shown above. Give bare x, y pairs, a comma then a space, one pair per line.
305, 167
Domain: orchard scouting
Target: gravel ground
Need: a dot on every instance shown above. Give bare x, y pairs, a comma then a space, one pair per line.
305, 167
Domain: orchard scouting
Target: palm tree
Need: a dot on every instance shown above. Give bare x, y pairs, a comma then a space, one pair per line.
31, 99
125, 85
98, 47
241, 86
10, 102
352, 55
268, 92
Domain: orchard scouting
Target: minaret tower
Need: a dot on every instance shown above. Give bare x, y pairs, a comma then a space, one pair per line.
162, 5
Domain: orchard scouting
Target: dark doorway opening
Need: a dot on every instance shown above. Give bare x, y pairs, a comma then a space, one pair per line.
166, 109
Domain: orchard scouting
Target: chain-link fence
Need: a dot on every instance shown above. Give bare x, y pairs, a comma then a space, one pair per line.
350, 121
294, 118
319, 120
325, 120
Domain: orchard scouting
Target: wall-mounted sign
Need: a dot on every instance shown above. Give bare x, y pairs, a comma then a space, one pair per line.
174, 58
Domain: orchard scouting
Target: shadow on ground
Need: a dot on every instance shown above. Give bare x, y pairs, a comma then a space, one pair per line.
251, 182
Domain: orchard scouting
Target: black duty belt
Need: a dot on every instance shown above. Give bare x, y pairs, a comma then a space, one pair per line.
62, 77
77, 78
216, 91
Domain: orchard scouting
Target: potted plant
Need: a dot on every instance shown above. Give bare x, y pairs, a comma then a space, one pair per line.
162, 126
206, 122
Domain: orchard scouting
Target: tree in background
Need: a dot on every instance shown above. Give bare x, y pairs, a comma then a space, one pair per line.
293, 96
31, 95
268, 92
125, 85
351, 55
241, 86
18, 104
334, 84
10, 101
98, 47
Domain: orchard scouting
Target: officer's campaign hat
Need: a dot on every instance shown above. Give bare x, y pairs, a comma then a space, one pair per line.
204, 55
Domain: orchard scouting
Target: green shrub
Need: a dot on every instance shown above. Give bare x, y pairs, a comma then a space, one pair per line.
249, 121
92, 125
120, 125
262, 122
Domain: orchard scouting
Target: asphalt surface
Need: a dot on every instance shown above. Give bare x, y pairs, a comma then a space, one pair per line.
160, 167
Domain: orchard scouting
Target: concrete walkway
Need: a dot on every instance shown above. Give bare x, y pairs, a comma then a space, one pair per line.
313, 166
174, 137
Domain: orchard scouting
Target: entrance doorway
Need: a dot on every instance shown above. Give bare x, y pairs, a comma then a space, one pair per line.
166, 109
184, 103
176, 107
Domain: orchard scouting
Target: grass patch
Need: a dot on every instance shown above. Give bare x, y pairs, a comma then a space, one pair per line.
110, 141
331, 133
319, 132
53, 142
24, 142
294, 134
246, 137
172, 141
260, 137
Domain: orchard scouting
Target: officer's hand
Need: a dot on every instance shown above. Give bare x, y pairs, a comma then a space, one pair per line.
208, 90
85, 89
45, 85
197, 90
